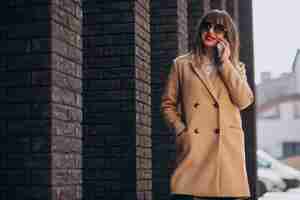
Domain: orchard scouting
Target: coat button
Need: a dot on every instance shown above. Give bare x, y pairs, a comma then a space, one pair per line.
196, 104
196, 131
217, 131
216, 105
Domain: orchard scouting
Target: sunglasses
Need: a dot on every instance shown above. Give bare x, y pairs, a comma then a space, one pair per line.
217, 28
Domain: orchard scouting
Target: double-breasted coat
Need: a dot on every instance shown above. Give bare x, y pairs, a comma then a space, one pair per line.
210, 154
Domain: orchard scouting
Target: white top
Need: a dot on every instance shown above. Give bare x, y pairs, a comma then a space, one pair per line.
209, 69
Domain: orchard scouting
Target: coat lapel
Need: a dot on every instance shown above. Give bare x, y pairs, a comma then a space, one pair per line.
203, 78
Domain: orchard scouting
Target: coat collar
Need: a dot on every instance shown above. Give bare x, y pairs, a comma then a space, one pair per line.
202, 76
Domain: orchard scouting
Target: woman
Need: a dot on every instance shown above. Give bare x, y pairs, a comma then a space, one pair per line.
201, 102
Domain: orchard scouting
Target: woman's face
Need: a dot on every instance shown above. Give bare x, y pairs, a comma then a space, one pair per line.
211, 33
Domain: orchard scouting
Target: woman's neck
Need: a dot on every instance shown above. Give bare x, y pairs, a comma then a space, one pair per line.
209, 55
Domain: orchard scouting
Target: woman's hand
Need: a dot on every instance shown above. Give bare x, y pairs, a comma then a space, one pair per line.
226, 52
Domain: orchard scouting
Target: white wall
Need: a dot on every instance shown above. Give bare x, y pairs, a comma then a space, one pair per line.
272, 132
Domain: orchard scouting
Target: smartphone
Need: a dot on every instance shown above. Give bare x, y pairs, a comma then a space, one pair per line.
218, 53
220, 49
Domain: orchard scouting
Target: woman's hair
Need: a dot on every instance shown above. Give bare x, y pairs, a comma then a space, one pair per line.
216, 16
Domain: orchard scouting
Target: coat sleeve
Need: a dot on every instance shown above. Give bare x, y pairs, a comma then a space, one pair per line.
236, 82
169, 101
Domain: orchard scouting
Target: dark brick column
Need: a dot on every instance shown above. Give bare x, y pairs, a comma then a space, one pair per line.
25, 116
249, 120
196, 8
218, 4
116, 99
168, 39
66, 99
40, 63
232, 9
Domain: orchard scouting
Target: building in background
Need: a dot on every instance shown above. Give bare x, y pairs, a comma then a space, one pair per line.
80, 88
278, 112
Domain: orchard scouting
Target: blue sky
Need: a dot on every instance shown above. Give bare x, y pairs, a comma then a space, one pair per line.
276, 33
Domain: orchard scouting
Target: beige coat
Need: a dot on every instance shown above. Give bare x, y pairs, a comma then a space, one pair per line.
210, 154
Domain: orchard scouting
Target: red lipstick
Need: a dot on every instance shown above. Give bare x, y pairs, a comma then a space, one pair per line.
210, 37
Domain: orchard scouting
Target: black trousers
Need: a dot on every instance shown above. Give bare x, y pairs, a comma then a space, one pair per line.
190, 197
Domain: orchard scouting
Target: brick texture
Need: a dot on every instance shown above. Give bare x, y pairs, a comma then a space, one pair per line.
80, 88
116, 100
24, 102
232, 9
40, 100
66, 100
196, 8
169, 38
217, 4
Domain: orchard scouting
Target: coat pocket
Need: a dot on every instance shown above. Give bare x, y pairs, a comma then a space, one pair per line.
233, 126
183, 146
235, 129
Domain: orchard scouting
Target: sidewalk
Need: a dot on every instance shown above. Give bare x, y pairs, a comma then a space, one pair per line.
291, 194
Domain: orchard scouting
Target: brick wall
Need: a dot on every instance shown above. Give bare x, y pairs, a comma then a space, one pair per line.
116, 99
232, 9
143, 100
66, 99
218, 4
80, 88
196, 8
168, 39
40, 100
24, 102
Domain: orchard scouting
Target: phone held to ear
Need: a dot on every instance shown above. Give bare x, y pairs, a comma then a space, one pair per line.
220, 49
219, 52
